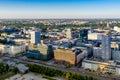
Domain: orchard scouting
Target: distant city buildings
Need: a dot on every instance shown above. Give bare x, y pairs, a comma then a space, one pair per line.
97, 48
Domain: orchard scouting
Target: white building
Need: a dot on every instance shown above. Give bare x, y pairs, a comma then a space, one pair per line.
2, 49
13, 50
95, 36
69, 33
18, 49
35, 37
101, 66
116, 28
22, 41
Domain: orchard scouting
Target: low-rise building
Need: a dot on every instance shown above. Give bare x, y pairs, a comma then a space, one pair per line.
22, 68
15, 49
100, 66
12, 49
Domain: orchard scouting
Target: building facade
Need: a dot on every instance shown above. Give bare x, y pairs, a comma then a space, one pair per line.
95, 36
12, 49
116, 28
35, 37
69, 33
43, 52
97, 51
101, 66
83, 35
73, 57
106, 47
116, 55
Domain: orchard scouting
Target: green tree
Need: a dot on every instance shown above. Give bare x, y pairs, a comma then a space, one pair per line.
15, 70
68, 76
3, 67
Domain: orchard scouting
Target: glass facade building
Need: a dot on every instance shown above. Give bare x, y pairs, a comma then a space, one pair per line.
106, 47
83, 35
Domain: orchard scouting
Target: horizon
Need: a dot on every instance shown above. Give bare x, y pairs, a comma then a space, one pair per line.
94, 18
60, 9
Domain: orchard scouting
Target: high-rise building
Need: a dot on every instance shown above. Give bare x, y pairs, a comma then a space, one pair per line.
69, 33
106, 47
35, 37
83, 35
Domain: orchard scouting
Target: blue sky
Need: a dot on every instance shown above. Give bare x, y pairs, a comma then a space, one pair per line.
59, 8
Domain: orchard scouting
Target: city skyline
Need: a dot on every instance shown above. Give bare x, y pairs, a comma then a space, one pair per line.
59, 9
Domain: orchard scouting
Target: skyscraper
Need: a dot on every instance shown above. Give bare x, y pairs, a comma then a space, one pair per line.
35, 37
106, 47
83, 35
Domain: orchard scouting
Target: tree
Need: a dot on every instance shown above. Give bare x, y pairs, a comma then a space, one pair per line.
15, 70
53, 72
3, 67
67, 76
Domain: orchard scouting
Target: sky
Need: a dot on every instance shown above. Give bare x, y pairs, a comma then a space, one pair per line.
45, 9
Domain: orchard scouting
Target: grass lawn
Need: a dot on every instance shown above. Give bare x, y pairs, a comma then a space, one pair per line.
6, 75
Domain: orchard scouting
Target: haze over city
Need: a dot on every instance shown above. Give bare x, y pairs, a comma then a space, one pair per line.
59, 9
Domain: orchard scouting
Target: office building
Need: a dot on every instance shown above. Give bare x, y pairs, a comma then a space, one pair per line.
116, 55
95, 36
97, 51
69, 33
35, 37
42, 52
106, 47
12, 50
99, 66
71, 56
83, 35
116, 28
